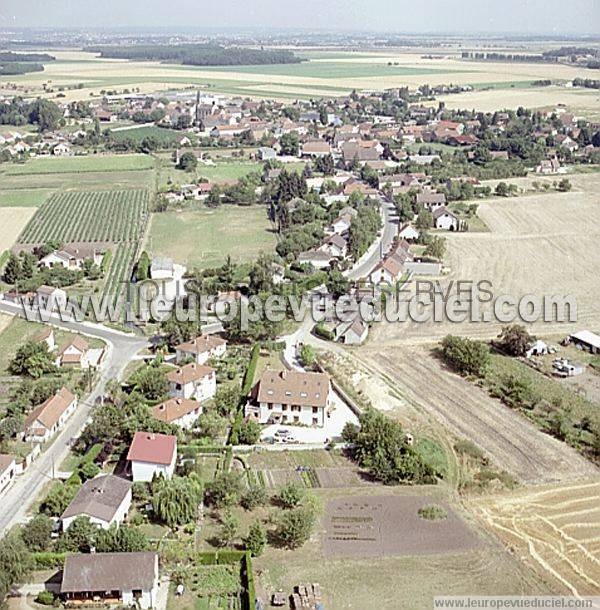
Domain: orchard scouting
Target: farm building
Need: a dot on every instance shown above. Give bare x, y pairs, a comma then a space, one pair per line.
586, 340
126, 579
152, 455
50, 417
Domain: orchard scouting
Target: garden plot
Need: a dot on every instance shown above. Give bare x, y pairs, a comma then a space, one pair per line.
380, 526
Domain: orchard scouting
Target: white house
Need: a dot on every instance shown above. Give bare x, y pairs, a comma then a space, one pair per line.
352, 333
130, 578
105, 500
73, 353
47, 336
201, 349
445, 219
388, 271
408, 232
179, 411
317, 258
196, 381
291, 397
50, 417
152, 455
8, 471
336, 246
49, 298
72, 257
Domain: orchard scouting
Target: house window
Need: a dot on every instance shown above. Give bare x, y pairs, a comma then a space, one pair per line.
284, 408
315, 421
296, 419
315, 409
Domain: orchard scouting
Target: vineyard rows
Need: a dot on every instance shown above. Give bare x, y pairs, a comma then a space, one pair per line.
120, 271
89, 216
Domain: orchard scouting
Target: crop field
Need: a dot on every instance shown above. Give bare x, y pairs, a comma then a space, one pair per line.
89, 216
398, 580
553, 529
324, 73
204, 238
12, 221
21, 198
100, 163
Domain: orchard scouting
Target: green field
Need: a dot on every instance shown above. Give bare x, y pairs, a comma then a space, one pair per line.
331, 69
204, 238
20, 198
89, 216
103, 163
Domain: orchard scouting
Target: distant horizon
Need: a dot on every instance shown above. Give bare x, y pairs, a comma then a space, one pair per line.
580, 18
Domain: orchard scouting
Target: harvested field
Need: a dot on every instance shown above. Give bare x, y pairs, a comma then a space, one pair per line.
467, 411
555, 530
12, 222
377, 526
540, 244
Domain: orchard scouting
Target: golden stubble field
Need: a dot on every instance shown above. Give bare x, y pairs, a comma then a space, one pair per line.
12, 222
554, 530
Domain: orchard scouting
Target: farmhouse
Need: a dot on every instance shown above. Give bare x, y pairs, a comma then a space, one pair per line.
408, 232
104, 500
291, 397
317, 258
352, 333
152, 455
128, 579
50, 298
431, 201
178, 411
388, 271
336, 246
71, 257
49, 417
193, 380
8, 471
77, 352
361, 150
445, 219
315, 148
201, 349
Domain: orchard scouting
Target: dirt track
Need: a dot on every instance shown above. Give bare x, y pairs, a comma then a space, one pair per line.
467, 411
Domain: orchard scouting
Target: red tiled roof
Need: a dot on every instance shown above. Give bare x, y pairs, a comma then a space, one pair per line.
153, 448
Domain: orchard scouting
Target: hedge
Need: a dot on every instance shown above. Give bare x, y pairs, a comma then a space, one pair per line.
93, 452
246, 387
48, 560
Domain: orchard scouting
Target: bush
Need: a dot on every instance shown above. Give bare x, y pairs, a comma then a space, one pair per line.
48, 560
465, 355
432, 513
290, 496
254, 497
46, 598
295, 526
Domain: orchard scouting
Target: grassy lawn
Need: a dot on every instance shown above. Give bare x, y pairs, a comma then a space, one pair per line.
104, 163
204, 238
21, 198
163, 135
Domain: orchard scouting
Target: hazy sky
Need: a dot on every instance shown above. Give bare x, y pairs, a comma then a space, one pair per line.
530, 16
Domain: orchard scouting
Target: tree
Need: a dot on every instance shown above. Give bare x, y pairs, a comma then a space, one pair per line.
12, 270
188, 162
256, 540
225, 489
380, 447
211, 424
249, 432
151, 382
337, 284
227, 399
176, 501
514, 340
502, 189
291, 495
79, 538
424, 220
122, 539
290, 144
142, 270
466, 356
436, 247
36, 533
308, 355
325, 164
295, 526
46, 114
230, 526
32, 359
255, 496
58, 498
15, 562
564, 185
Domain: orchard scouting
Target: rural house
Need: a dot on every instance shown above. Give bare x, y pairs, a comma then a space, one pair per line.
152, 455
50, 417
49, 298
104, 500
128, 579
8, 471
193, 380
431, 201
178, 411
74, 353
445, 219
291, 397
201, 349
72, 257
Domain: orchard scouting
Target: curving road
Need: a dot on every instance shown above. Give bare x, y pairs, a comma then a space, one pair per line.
121, 348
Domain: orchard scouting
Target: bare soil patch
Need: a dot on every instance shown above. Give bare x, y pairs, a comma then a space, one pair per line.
378, 526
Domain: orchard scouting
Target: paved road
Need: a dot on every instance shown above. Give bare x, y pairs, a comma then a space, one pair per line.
378, 250
121, 348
